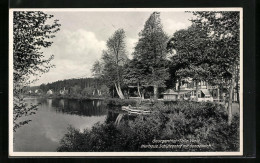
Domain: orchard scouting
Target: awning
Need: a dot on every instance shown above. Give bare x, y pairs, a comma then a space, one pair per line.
206, 92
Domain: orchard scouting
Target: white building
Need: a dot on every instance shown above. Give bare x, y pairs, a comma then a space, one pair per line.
49, 92
63, 91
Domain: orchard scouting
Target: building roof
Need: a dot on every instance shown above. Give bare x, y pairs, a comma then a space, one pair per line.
170, 91
206, 92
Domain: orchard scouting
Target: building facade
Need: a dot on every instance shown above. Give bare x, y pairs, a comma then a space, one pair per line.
49, 92
186, 89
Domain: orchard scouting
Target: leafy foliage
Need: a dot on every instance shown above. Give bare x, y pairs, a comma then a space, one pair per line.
68, 83
110, 68
134, 72
120, 102
205, 122
224, 30
208, 50
192, 54
151, 52
75, 88
31, 33
97, 69
21, 111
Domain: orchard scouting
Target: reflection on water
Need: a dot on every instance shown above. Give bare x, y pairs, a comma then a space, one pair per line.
52, 119
81, 108
116, 115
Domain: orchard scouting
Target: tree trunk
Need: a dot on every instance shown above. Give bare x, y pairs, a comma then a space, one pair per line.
179, 85
119, 91
218, 94
197, 90
138, 89
113, 93
155, 91
118, 119
231, 90
142, 95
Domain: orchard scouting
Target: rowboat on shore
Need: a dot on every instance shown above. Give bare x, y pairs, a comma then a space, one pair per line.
135, 110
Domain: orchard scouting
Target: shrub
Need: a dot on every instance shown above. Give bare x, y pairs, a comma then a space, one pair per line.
204, 122
120, 102
88, 91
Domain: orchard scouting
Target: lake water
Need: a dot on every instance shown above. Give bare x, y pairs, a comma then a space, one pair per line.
52, 119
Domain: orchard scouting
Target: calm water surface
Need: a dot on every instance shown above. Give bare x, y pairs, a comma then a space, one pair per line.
52, 119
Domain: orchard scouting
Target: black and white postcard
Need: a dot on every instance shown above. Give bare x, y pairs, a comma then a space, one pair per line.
126, 82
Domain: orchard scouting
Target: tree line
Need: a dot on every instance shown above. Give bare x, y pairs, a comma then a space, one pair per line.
84, 87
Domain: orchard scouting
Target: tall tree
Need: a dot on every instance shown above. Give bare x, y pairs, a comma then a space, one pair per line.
113, 60
151, 52
97, 73
134, 72
32, 31
224, 30
192, 55
97, 69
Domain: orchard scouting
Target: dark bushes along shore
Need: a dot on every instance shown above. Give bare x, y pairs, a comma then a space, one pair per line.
179, 126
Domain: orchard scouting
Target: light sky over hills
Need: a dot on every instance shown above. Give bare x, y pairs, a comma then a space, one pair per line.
83, 36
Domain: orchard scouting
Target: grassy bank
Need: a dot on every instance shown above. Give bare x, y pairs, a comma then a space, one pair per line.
179, 126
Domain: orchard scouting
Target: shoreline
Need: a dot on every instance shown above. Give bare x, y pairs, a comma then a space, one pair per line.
65, 97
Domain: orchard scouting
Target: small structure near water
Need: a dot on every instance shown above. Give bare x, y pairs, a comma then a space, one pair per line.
171, 95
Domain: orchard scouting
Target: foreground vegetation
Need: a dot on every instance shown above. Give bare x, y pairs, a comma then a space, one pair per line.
199, 126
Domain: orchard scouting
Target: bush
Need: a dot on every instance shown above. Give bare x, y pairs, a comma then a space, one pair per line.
88, 91
120, 102
206, 123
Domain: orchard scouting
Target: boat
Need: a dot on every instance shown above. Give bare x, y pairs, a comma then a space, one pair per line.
135, 110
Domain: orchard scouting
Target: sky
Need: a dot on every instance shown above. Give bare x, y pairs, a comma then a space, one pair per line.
82, 38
